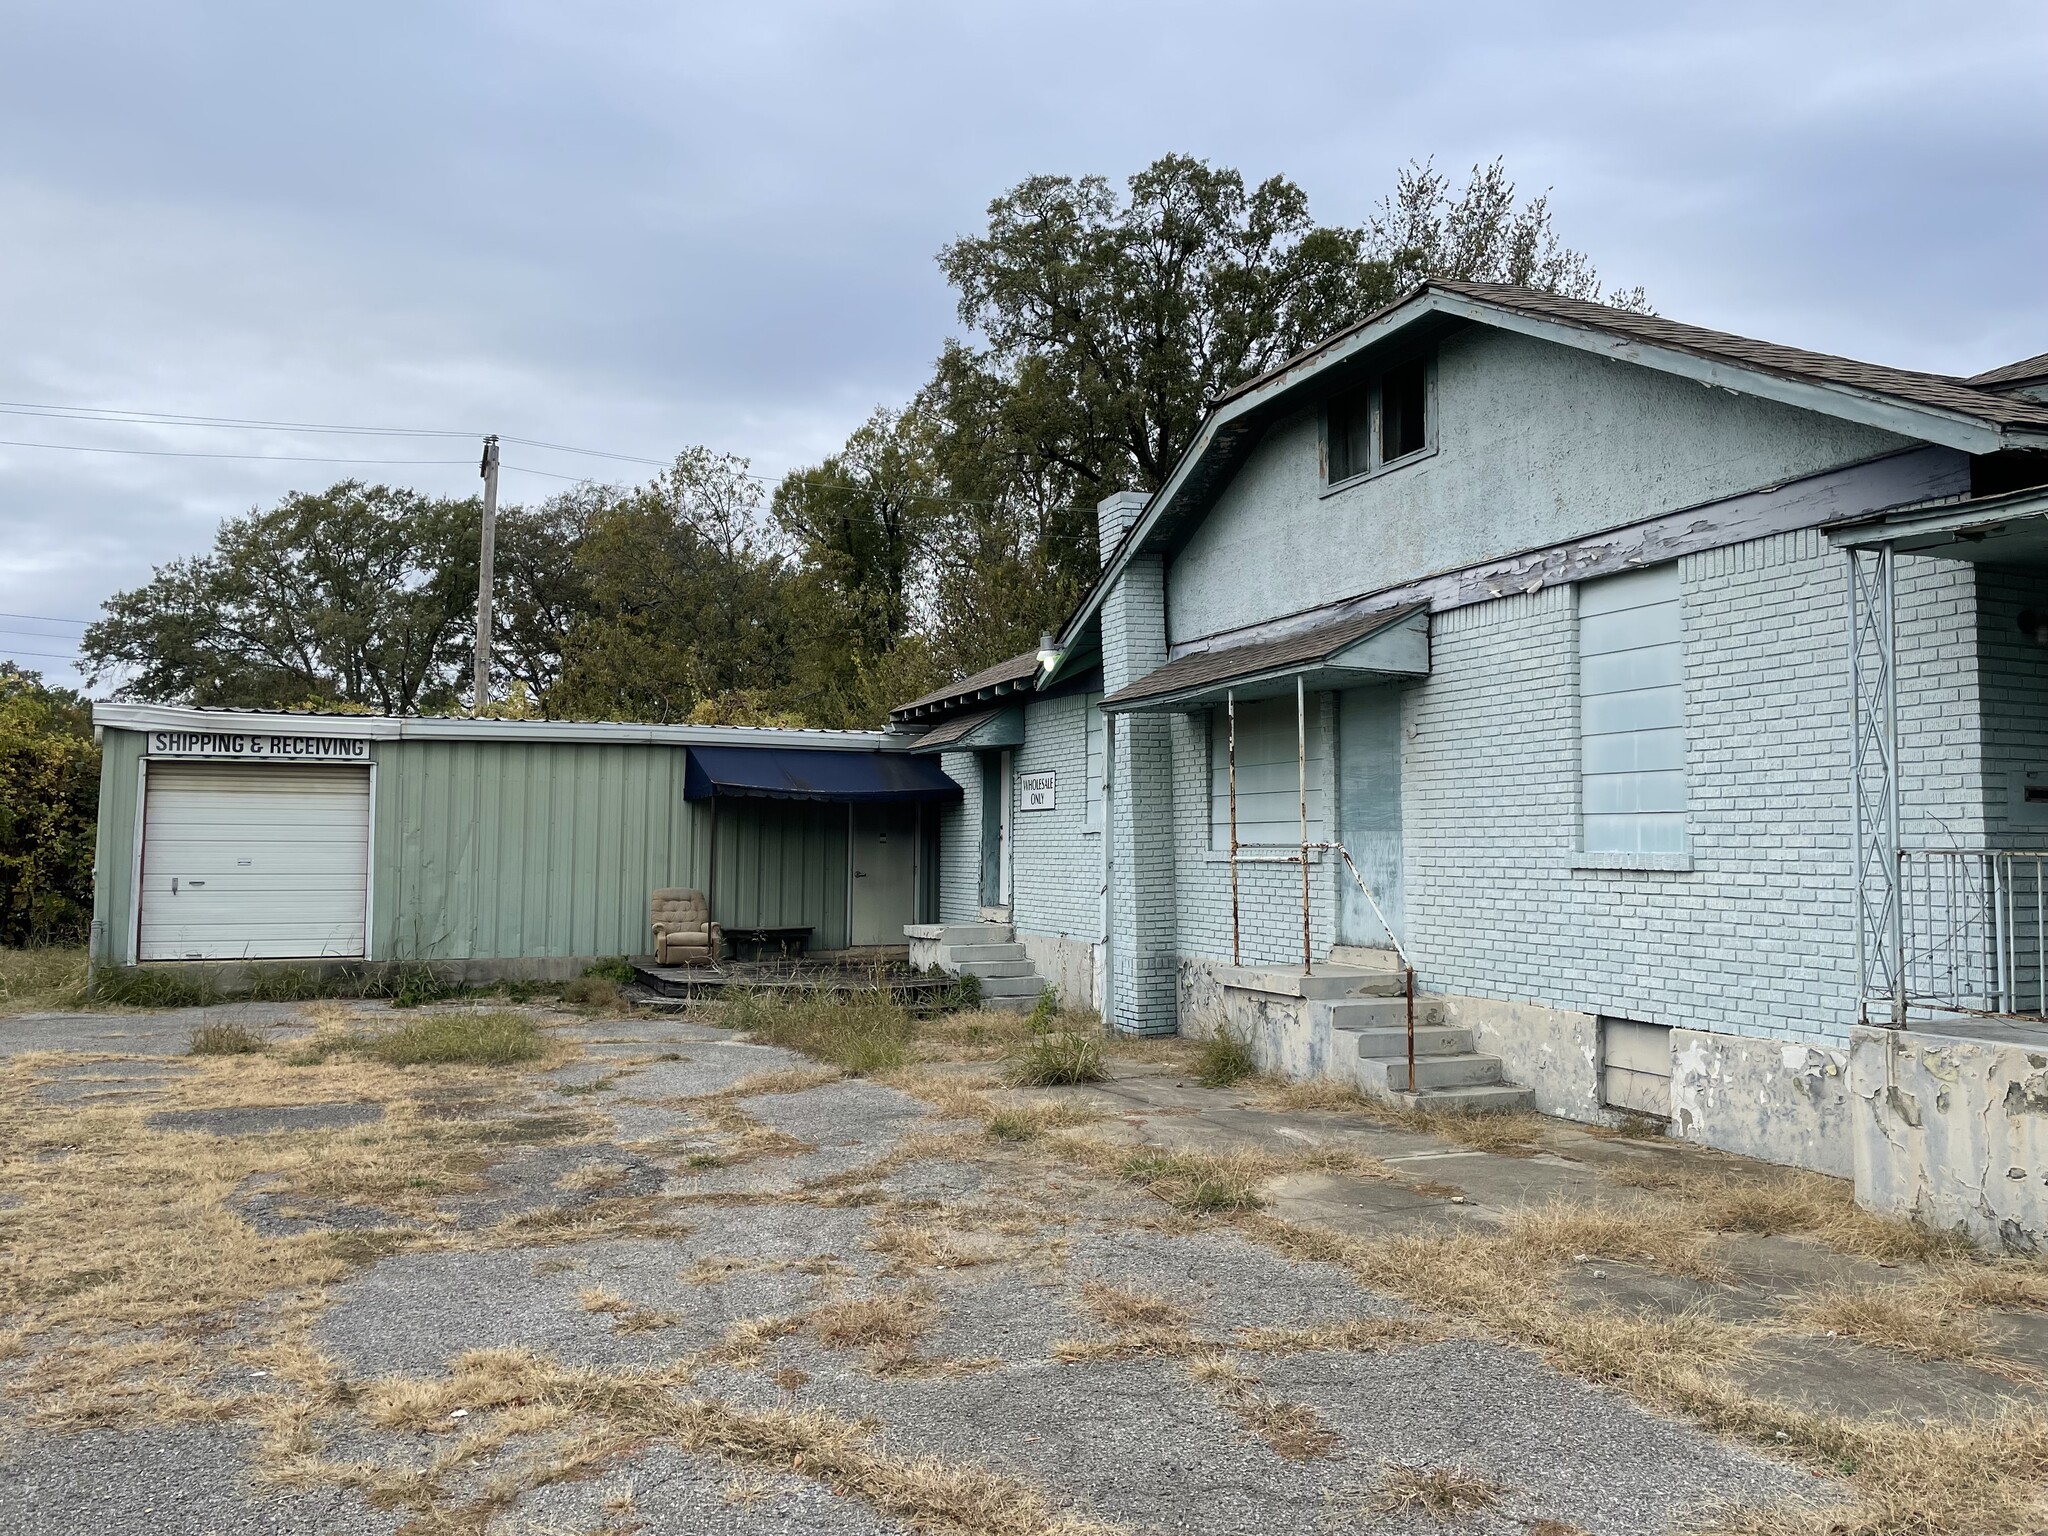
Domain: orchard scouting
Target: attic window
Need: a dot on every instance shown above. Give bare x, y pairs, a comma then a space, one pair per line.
1350, 435
1379, 423
1404, 403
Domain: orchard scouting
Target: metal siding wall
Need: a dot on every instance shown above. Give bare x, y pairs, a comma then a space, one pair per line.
113, 875
782, 863
502, 851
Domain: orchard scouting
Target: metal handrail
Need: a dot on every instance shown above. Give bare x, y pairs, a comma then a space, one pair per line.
1975, 930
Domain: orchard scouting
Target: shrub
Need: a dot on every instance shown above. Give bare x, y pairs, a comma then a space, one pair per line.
224, 1040
494, 1038
1059, 1059
616, 969
1223, 1059
963, 995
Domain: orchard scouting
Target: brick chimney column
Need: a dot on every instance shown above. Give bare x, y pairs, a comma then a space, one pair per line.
1144, 951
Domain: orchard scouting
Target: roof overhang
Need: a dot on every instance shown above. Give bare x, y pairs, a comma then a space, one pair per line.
1391, 646
1233, 428
974, 733
2008, 531
179, 717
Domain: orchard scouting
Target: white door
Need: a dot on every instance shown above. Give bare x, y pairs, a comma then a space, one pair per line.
884, 872
246, 862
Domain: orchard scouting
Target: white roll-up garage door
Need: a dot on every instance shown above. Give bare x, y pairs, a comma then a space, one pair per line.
254, 862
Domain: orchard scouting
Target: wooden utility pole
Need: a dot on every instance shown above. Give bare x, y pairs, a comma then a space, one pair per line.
486, 558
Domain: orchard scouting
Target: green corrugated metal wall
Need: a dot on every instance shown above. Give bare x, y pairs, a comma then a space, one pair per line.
516, 850
113, 866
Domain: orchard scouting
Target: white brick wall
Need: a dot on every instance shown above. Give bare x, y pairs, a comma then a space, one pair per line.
960, 843
1056, 874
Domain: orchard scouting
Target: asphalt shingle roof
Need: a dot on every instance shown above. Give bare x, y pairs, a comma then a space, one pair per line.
1206, 669
2024, 371
1016, 669
1935, 390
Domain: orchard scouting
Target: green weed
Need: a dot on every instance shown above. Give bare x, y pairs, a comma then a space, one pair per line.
1059, 1059
493, 1038
1224, 1059
225, 1040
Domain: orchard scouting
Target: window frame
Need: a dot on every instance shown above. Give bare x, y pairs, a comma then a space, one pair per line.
1584, 855
1377, 464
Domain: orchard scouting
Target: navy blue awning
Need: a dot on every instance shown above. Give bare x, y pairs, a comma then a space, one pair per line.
802, 773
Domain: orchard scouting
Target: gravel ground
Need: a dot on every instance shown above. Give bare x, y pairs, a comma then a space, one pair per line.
185, 1481
260, 1120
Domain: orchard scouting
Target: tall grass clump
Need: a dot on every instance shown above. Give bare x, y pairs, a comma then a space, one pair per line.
41, 979
1058, 1059
156, 989
224, 1040
1224, 1059
861, 1033
492, 1038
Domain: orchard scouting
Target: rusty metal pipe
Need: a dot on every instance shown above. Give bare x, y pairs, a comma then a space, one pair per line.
1411, 1027
1230, 705
1301, 765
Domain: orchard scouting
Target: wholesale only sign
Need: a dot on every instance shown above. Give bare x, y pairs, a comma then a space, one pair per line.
259, 746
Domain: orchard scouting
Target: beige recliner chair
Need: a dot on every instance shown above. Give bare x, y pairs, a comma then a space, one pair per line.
683, 931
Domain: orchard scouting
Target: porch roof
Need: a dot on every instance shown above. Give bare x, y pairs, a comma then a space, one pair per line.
2007, 530
773, 774
1002, 727
1366, 648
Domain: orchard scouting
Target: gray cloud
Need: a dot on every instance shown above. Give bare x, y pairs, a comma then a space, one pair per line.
638, 226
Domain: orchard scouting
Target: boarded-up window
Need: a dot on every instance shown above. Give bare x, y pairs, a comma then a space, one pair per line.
1095, 761
1268, 774
1632, 713
1635, 1066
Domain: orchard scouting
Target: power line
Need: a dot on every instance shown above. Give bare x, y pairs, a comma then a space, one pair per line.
44, 655
180, 453
32, 634
120, 415
42, 618
134, 417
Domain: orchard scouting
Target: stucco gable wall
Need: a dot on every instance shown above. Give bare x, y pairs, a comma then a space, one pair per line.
1537, 444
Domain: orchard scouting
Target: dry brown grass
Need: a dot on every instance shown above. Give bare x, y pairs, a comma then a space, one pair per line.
1778, 1202
1924, 1320
41, 980
1295, 1431
1443, 1493
616, 1411
1125, 1310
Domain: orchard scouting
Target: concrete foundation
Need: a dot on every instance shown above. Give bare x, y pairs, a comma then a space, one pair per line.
1553, 1052
1953, 1131
1069, 966
232, 977
1770, 1099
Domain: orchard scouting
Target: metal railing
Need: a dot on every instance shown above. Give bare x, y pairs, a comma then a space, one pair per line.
1974, 936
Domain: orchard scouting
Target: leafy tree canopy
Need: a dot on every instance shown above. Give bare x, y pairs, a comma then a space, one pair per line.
49, 791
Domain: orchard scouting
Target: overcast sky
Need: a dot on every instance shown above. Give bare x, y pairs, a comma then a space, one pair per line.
639, 226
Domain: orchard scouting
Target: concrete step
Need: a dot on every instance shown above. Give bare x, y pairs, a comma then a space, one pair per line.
974, 933
988, 970
1478, 1099
971, 955
1386, 1075
1392, 1042
1384, 1012
1026, 986
1010, 1004
1326, 981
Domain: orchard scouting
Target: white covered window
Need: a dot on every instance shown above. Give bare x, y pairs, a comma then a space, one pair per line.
1632, 713
1095, 737
1268, 774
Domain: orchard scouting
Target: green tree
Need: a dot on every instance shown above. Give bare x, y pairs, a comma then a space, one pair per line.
359, 594
861, 528
685, 614
1103, 323
49, 790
